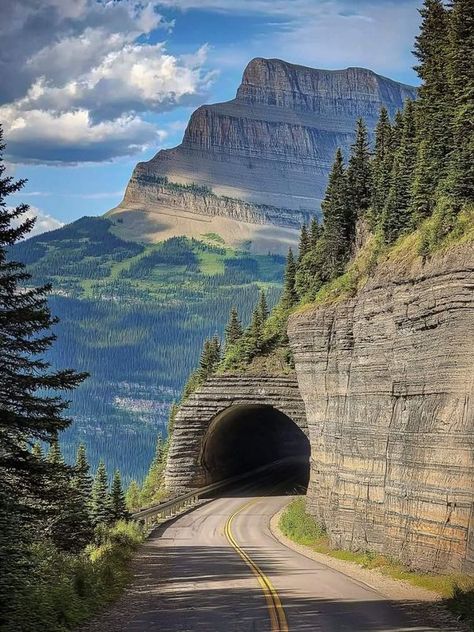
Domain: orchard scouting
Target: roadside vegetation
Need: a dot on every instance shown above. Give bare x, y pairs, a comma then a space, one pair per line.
65, 541
457, 590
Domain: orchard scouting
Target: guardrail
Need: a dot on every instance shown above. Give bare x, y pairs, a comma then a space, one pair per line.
162, 512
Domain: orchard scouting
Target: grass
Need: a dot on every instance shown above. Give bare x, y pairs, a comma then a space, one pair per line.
65, 590
439, 233
457, 590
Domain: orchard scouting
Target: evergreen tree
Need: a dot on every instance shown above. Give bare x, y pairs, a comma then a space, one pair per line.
37, 451
315, 232
304, 244
397, 217
233, 330
381, 167
434, 109
289, 296
100, 503
153, 479
82, 477
29, 409
337, 220
133, 496
462, 84
359, 175
117, 499
253, 341
55, 456
262, 307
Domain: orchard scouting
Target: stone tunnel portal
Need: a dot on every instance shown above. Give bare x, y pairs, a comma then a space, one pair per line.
244, 437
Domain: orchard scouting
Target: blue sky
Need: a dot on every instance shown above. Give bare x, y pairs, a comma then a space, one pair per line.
91, 87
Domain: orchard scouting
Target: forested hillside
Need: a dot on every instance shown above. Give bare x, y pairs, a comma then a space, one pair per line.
135, 316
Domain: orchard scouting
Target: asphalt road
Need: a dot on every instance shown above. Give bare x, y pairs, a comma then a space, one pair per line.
191, 577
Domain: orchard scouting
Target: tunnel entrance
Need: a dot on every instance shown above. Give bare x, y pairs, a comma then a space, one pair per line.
245, 437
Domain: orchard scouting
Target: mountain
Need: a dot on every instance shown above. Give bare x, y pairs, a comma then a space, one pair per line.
135, 316
139, 289
253, 169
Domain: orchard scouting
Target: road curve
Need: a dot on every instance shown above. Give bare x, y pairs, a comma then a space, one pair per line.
189, 577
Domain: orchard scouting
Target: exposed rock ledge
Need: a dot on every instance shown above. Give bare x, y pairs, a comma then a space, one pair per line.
387, 382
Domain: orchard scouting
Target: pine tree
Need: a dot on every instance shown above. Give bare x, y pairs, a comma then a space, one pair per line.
55, 456
37, 451
289, 297
153, 480
381, 167
210, 357
262, 307
253, 341
30, 411
133, 496
315, 232
304, 244
359, 175
233, 330
100, 503
433, 107
117, 499
337, 221
397, 216
462, 84
82, 477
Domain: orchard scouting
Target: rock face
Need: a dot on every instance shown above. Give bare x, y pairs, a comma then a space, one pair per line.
387, 381
212, 434
272, 145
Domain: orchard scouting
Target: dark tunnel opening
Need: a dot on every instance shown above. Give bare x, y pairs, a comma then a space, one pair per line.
243, 438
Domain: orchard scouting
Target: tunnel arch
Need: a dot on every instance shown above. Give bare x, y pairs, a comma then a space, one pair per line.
244, 437
214, 405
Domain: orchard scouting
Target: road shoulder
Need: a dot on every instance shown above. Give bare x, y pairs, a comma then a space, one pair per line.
391, 589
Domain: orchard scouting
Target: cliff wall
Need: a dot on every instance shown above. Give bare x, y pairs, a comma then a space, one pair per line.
272, 145
387, 381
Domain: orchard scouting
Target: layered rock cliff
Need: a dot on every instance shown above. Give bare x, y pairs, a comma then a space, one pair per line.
387, 381
272, 145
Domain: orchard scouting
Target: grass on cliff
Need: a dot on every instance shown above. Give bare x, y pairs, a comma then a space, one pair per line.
437, 234
457, 590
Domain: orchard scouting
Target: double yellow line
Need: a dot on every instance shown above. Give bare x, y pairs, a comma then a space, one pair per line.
274, 605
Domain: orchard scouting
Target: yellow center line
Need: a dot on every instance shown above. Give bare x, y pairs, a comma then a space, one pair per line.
274, 605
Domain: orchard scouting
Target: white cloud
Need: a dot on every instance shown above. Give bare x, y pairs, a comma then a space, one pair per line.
43, 224
85, 90
71, 137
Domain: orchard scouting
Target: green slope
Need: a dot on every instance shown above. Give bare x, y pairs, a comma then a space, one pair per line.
135, 316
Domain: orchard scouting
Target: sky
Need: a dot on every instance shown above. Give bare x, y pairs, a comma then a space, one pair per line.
91, 87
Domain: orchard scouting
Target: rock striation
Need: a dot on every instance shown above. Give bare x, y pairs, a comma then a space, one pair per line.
387, 381
270, 148
224, 399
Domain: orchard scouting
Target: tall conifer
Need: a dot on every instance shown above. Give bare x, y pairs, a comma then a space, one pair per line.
100, 502
381, 166
433, 107
359, 175
337, 220
462, 84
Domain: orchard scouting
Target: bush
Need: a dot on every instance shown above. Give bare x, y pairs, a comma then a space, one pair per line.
64, 590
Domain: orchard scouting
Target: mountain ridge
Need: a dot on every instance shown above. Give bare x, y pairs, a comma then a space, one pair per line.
272, 145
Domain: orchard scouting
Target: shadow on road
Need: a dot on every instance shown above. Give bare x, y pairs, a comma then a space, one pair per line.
190, 588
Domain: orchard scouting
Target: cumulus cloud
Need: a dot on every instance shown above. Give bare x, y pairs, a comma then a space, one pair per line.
43, 224
82, 94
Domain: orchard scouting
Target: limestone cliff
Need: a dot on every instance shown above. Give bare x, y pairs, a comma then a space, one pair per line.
272, 145
387, 382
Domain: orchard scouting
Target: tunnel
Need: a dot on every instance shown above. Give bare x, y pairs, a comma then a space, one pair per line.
244, 437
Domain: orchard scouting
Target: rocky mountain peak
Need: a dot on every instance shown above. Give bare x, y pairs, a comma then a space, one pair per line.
253, 168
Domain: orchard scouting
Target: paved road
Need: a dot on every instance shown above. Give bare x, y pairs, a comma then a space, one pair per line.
189, 578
